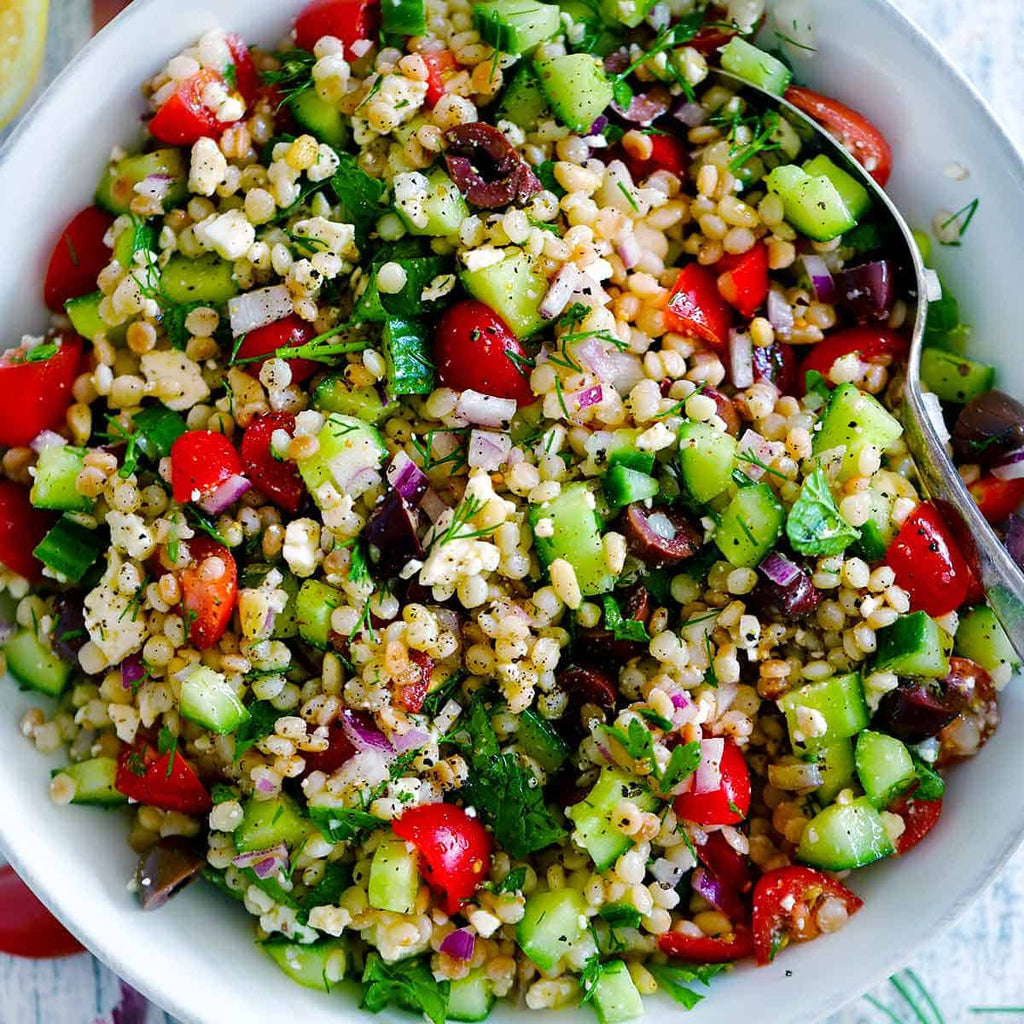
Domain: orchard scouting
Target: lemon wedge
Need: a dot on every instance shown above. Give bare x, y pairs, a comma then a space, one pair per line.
22, 41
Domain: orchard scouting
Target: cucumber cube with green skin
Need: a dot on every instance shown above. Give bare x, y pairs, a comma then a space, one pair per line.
623, 451
616, 998
285, 625
313, 608
845, 836
540, 741
94, 782
914, 645
981, 638
853, 420
623, 486
34, 664
884, 766
349, 457
576, 87
207, 279
116, 189
955, 378
624, 12
265, 823
751, 525
138, 236
320, 118
316, 965
57, 469
755, 66
472, 997
84, 314
335, 394
403, 17
850, 190
879, 531
394, 878
593, 816
812, 205
515, 26
208, 699
442, 205
837, 765
523, 101
513, 289
707, 458
839, 701
552, 923
576, 537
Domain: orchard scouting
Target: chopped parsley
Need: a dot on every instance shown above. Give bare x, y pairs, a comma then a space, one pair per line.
167, 743
675, 979
622, 629
962, 219
814, 525
408, 983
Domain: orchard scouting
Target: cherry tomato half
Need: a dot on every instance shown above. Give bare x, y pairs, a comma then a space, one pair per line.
247, 79
668, 153
743, 280
27, 928
727, 805
209, 590
730, 867
22, 527
928, 563
872, 345
77, 258
36, 391
201, 460
455, 849
474, 348
347, 20
997, 499
279, 481
167, 780
695, 307
919, 818
185, 118
339, 750
266, 340
440, 67
786, 903
703, 949
852, 129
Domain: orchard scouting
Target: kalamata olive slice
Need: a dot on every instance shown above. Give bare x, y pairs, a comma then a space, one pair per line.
659, 536
646, 107
726, 410
916, 711
977, 722
988, 428
593, 685
776, 364
69, 634
793, 600
636, 605
486, 168
165, 869
392, 535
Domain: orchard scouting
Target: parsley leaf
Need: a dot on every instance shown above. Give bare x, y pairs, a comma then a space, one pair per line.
344, 824
358, 195
221, 793
931, 785
167, 743
407, 983
814, 525
683, 762
260, 723
590, 976
817, 385
512, 882
620, 915
546, 174
622, 629
674, 979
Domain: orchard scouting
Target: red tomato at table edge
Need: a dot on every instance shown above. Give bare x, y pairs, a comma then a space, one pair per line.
201, 460
704, 949
266, 340
347, 20
713, 808
77, 258
997, 499
208, 603
695, 307
919, 818
184, 119
872, 344
279, 481
22, 527
167, 781
36, 394
27, 928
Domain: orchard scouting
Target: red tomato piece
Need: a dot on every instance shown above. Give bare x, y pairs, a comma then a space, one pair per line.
727, 805
440, 67
852, 129
996, 498
928, 563
704, 949
247, 79
474, 348
347, 20
36, 392
777, 364
201, 460
167, 781
713, 37
455, 849
279, 481
185, 118
743, 281
208, 591
22, 527
872, 345
730, 867
339, 750
410, 696
265, 341
695, 307
668, 153
919, 818
77, 258
786, 902
27, 928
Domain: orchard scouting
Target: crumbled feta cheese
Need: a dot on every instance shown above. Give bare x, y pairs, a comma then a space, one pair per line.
129, 533
112, 619
209, 167
411, 190
175, 379
301, 539
810, 722
229, 234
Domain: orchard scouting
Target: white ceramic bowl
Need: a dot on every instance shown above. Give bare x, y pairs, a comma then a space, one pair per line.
196, 957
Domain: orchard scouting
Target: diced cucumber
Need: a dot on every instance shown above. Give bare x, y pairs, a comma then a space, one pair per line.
624, 12
955, 378
34, 664
981, 638
541, 741
878, 532
443, 205
410, 369
513, 289
266, 823
616, 998
755, 66
812, 205
208, 279
576, 87
403, 17
914, 645
839, 700
394, 878
472, 997
623, 451
593, 816
853, 420
515, 26
138, 236
845, 836
84, 314
94, 782
576, 537
751, 525
320, 118
623, 486
285, 624
316, 965
116, 189
523, 101
57, 469
599, 37
335, 394
837, 765
313, 608
349, 457
552, 923
884, 766
71, 549
850, 190
208, 699
706, 457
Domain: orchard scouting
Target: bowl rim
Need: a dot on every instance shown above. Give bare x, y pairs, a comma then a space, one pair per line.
166, 996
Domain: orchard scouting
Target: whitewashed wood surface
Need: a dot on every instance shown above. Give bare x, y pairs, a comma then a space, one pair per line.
978, 965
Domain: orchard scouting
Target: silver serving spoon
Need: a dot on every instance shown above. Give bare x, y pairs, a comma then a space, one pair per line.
1002, 579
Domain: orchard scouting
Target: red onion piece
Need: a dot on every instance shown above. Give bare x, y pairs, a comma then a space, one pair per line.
132, 670
644, 108
485, 410
259, 308
585, 399
708, 776
599, 125
46, 439
868, 290
265, 785
765, 451
273, 856
1010, 467
459, 944
821, 277
411, 739
155, 186
488, 450
741, 359
680, 700
225, 495
363, 735
563, 284
407, 478
433, 504
780, 313
779, 569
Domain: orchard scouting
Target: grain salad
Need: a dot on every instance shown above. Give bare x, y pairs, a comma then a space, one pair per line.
460, 509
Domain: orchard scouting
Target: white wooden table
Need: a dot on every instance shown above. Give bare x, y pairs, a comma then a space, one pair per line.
979, 965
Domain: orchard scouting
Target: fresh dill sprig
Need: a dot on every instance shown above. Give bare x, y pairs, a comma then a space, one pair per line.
293, 77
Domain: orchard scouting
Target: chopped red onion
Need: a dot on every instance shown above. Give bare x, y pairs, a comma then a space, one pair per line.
589, 397
780, 313
563, 284
363, 735
708, 776
741, 359
680, 700
407, 478
411, 739
589, 293
693, 115
225, 495
599, 125
264, 785
488, 450
709, 886
459, 944
485, 410
751, 442
630, 252
644, 108
45, 439
433, 504
132, 671
274, 855
933, 408
821, 277
779, 569
259, 308
1009, 467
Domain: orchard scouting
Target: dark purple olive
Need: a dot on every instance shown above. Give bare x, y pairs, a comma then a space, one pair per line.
776, 364
392, 534
593, 685
867, 291
164, 870
645, 107
979, 719
916, 710
726, 410
617, 62
486, 168
659, 536
988, 428
794, 600
69, 634
636, 605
